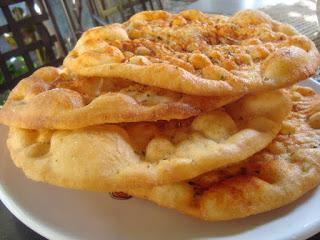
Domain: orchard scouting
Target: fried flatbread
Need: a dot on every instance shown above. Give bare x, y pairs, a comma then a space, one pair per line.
196, 53
276, 176
52, 99
131, 155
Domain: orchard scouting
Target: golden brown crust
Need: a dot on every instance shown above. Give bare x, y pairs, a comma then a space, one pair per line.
53, 100
276, 176
131, 155
197, 54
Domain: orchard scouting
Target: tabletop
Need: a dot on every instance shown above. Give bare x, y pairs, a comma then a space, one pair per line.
231, 6
299, 13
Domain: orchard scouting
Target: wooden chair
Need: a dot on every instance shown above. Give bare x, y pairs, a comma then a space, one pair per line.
26, 42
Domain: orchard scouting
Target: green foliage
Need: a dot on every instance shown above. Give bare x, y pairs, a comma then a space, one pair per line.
17, 69
1, 78
3, 97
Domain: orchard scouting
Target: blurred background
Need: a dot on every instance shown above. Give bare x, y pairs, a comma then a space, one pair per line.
35, 33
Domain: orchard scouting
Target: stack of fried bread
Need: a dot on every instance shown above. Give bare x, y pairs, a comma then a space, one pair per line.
192, 111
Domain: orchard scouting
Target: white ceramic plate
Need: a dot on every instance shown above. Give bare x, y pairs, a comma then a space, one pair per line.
58, 213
